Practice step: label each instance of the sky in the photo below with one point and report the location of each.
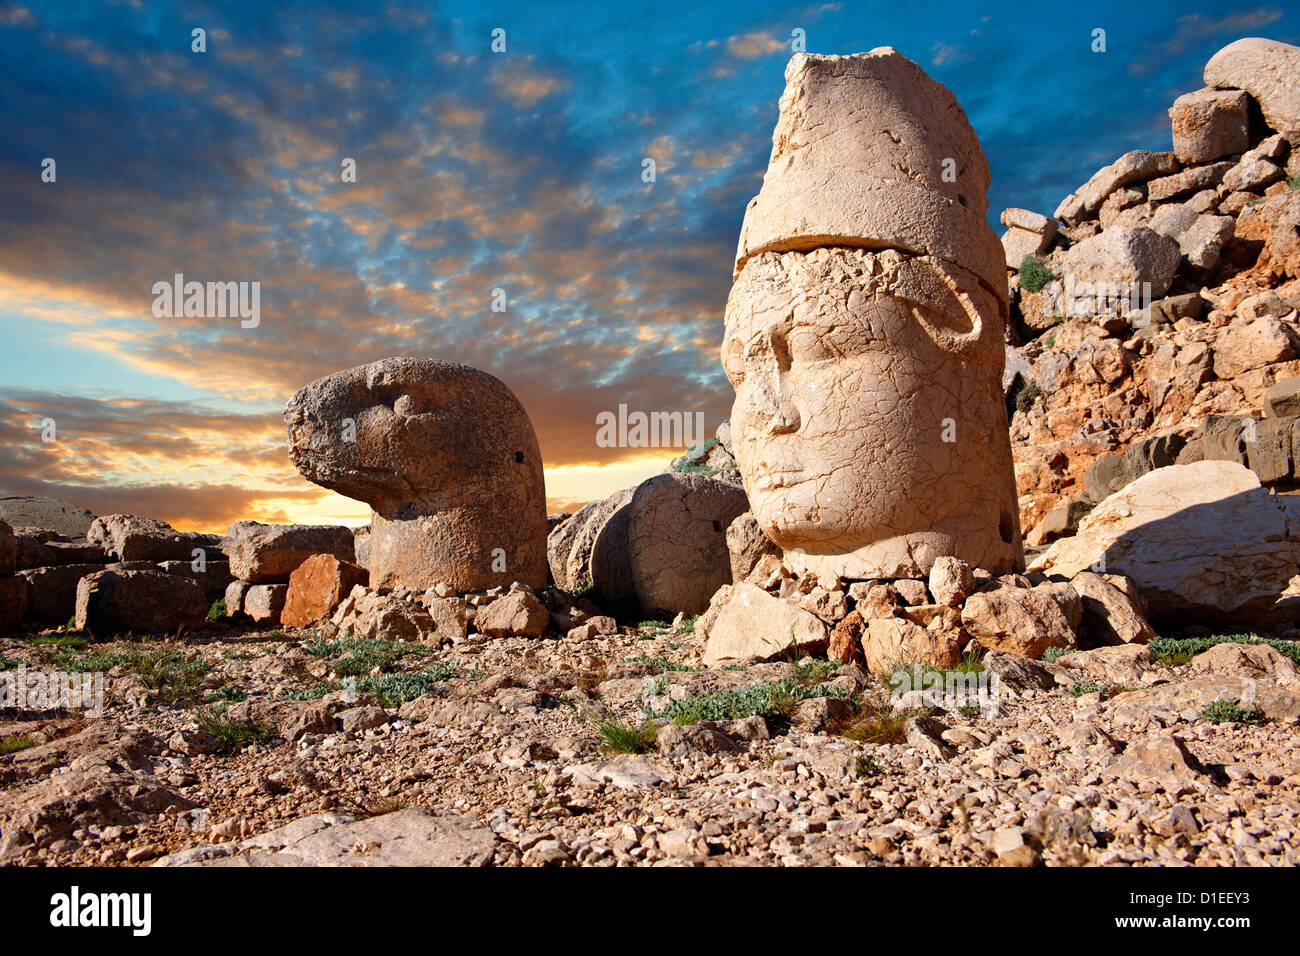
(476, 170)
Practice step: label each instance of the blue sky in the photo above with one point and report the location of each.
(476, 171)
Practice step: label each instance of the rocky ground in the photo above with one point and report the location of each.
(499, 751)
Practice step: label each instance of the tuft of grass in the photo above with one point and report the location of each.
(878, 723)
(688, 624)
(770, 699)
(1081, 687)
(1034, 274)
(76, 641)
(217, 610)
(11, 745)
(7, 664)
(233, 734)
(901, 675)
(622, 738)
(1225, 710)
(1174, 651)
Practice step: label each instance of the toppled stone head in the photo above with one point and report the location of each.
(864, 332)
(447, 459)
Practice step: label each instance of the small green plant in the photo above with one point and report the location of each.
(770, 699)
(1050, 341)
(1055, 652)
(1174, 651)
(217, 610)
(1225, 710)
(866, 768)
(232, 734)
(622, 738)
(7, 664)
(688, 625)
(813, 672)
(969, 711)
(274, 635)
(660, 665)
(1028, 394)
(1293, 183)
(172, 675)
(392, 690)
(11, 745)
(359, 656)
(687, 464)
(1034, 274)
(585, 588)
(1081, 687)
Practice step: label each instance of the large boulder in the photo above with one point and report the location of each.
(13, 602)
(52, 514)
(1204, 543)
(8, 550)
(445, 456)
(1210, 124)
(1119, 262)
(1024, 621)
(52, 592)
(144, 602)
(746, 545)
(1268, 71)
(261, 553)
(137, 538)
(677, 538)
(515, 614)
(569, 546)
(317, 587)
(932, 637)
(754, 625)
(611, 559)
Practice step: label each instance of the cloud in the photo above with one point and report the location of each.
(1192, 30)
(759, 43)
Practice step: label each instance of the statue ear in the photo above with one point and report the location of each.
(951, 304)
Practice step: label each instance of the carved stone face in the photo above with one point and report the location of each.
(868, 423)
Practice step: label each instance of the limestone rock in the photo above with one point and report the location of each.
(1025, 621)
(677, 540)
(1282, 399)
(135, 538)
(261, 553)
(446, 457)
(516, 614)
(1138, 165)
(569, 545)
(8, 550)
(13, 602)
(317, 587)
(611, 558)
(755, 625)
(1121, 259)
(1209, 124)
(146, 602)
(1203, 543)
(1163, 759)
(1109, 615)
(52, 592)
(890, 643)
(858, 159)
(951, 581)
(746, 545)
(264, 603)
(1267, 70)
(386, 617)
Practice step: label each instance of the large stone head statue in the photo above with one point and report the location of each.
(445, 456)
(864, 332)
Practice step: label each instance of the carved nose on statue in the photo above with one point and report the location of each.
(774, 401)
